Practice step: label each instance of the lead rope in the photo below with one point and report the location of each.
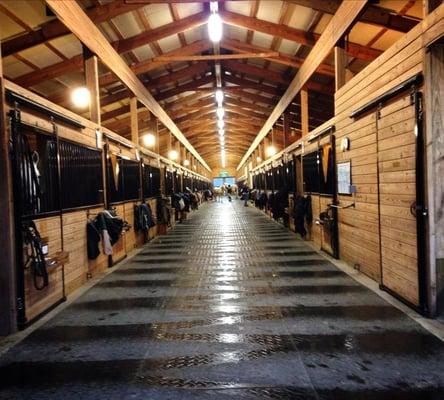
(37, 258)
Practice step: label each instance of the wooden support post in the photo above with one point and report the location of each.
(260, 151)
(304, 112)
(134, 120)
(169, 144)
(430, 5)
(287, 128)
(434, 181)
(266, 146)
(8, 312)
(92, 83)
(179, 155)
(157, 137)
(340, 65)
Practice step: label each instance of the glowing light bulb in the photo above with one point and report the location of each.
(215, 27)
(149, 140)
(80, 97)
(258, 159)
(172, 155)
(219, 97)
(186, 163)
(220, 112)
(271, 151)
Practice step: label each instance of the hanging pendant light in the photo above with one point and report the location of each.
(220, 112)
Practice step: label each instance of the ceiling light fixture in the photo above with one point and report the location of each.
(220, 112)
(219, 97)
(214, 23)
(81, 97)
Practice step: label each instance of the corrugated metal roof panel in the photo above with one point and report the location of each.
(127, 25)
(144, 53)
(40, 56)
(240, 7)
(186, 9)
(158, 15)
(14, 68)
(269, 11)
(68, 45)
(169, 43)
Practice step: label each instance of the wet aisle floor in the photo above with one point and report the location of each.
(227, 306)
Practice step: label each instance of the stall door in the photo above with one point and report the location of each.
(398, 130)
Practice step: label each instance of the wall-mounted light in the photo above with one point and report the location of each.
(271, 151)
(219, 97)
(220, 112)
(172, 155)
(149, 140)
(81, 97)
(186, 163)
(258, 159)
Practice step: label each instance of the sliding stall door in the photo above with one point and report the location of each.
(397, 179)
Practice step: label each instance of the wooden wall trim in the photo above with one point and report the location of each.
(8, 316)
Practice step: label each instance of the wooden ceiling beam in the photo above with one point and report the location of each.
(249, 106)
(295, 35)
(70, 14)
(188, 87)
(216, 57)
(62, 98)
(337, 27)
(272, 76)
(76, 63)
(231, 78)
(281, 58)
(55, 29)
(150, 65)
(373, 15)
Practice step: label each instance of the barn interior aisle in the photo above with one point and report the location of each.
(228, 305)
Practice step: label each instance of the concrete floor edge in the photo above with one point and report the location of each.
(434, 326)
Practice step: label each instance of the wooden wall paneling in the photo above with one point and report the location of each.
(119, 249)
(358, 227)
(37, 301)
(397, 224)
